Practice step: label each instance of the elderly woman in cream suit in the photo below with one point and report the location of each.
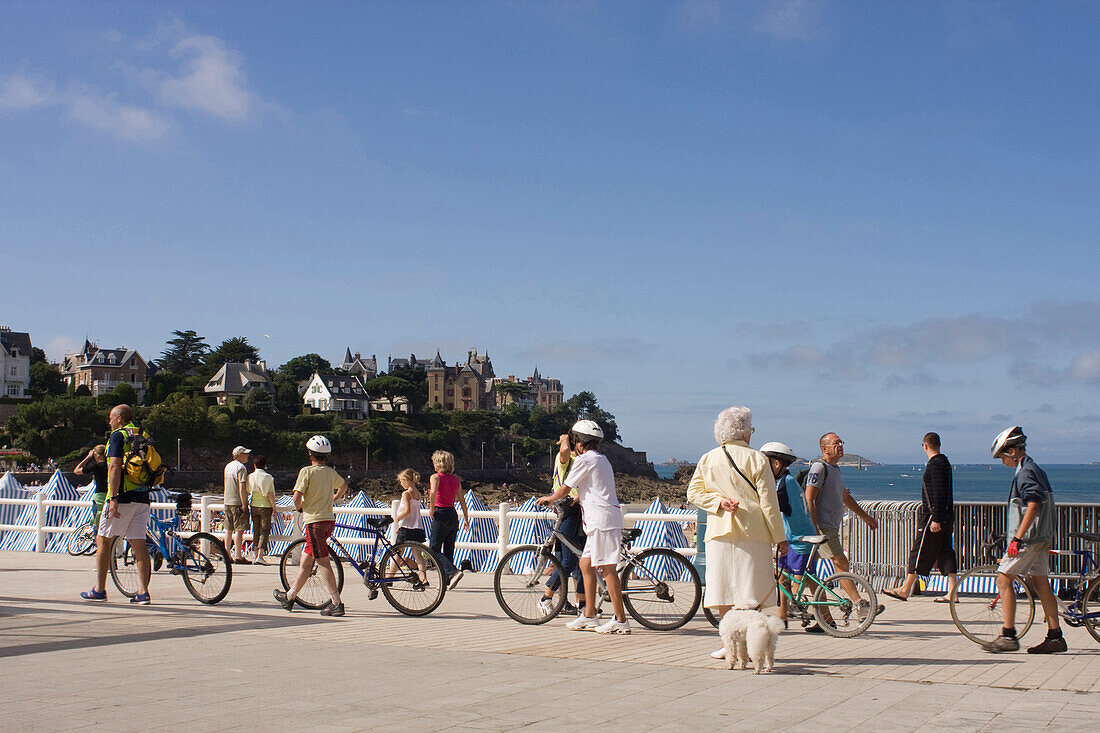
(735, 486)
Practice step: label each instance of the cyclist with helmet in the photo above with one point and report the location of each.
(317, 488)
(594, 481)
(796, 520)
(1030, 533)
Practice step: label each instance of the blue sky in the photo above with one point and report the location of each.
(873, 218)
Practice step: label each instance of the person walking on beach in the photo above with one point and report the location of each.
(95, 465)
(1030, 520)
(571, 527)
(796, 522)
(594, 481)
(235, 502)
(735, 486)
(261, 505)
(932, 547)
(445, 489)
(826, 497)
(317, 488)
(126, 513)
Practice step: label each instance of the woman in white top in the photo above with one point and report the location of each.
(408, 515)
(261, 504)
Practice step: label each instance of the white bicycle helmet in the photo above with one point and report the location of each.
(1009, 438)
(587, 429)
(319, 444)
(779, 450)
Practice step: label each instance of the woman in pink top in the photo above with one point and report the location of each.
(445, 488)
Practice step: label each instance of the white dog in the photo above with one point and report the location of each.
(750, 634)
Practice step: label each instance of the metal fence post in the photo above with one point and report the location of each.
(394, 506)
(504, 531)
(40, 522)
(204, 512)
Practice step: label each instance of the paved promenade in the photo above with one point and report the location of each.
(246, 663)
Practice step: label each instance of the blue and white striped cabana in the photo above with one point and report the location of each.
(528, 531)
(482, 529)
(658, 533)
(77, 516)
(58, 487)
(10, 488)
(279, 525)
(359, 501)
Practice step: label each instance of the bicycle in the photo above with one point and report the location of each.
(834, 610)
(977, 612)
(409, 575)
(82, 539)
(661, 589)
(201, 558)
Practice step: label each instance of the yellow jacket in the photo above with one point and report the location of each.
(757, 516)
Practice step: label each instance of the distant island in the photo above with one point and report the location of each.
(849, 459)
(676, 462)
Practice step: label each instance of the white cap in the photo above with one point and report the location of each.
(239, 450)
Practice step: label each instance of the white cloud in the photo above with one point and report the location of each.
(23, 91)
(1086, 367)
(790, 20)
(125, 121)
(212, 80)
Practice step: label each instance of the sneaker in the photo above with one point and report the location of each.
(582, 623)
(815, 629)
(94, 595)
(242, 561)
(614, 626)
(718, 653)
(455, 579)
(1001, 644)
(1049, 646)
(260, 561)
(141, 599)
(864, 607)
(546, 606)
(332, 609)
(569, 610)
(280, 596)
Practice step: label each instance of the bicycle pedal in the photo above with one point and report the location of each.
(372, 593)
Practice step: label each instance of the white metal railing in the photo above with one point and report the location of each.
(208, 505)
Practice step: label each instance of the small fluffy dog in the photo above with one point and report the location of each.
(750, 634)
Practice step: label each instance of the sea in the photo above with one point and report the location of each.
(1072, 483)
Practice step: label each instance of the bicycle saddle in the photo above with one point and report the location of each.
(1086, 536)
(631, 534)
(379, 522)
(813, 539)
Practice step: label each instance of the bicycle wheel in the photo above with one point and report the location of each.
(714, 620)
(313, 594)
(81, 539)
(414, 579)
(520, 584)
(976, 605)
(123, 567)
(835, 610)
(661, 589)
(1090, 605)
(206, 568)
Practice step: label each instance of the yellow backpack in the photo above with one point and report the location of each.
(142, 464)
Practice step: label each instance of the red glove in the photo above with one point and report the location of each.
(1013, 548)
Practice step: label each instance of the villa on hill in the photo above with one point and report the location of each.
(15, 363)
(345, 395)
(101, 370)
(233, 381)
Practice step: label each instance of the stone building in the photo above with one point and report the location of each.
(542, 391)
(367, 369)
(101, 370)
(15, 363)
(465, 387)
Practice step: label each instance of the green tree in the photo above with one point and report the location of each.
(418, 377)
(257, 401)
(179, 416)
(37, 355)
(123, 394)
(236, 350)
(184, 353)
(45, 379)
(303, 367)
(513, 390)
(585, 406)
(391, 388)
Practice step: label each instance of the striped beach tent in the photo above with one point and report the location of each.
(361, 501)
(659, 533)
(77, 516)
(58, 487)
(528, 531)
(482, 529)
(283, 505)
(10, 488)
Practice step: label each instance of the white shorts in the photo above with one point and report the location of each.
(1033, 559)
(131, 525)
(602, 546)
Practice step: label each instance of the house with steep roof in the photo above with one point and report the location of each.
(343, 394)
(467, 386)
(365, 368)
(233, 381)
(101, 370)
(411, 361)
(543, 391)
(15, 363)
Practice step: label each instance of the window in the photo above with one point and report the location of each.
(13, 389)
(111, 358)
(133, 378)
(466, 392)
(15, 371)
(133, 364)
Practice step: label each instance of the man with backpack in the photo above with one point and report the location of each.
(126, 513)
(826, 497)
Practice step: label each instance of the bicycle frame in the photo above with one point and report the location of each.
(369, 569)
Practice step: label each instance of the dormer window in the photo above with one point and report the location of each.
(111, 358)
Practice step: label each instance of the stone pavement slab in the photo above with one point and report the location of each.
(177, 664)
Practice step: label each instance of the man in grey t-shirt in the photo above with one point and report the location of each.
(235, 501)
(827, 496)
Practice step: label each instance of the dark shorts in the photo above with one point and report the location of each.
(933, 549)
(794, 562)
(410, 534)
(317, 535)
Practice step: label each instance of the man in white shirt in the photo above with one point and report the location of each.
(594, 481)
(235, 501)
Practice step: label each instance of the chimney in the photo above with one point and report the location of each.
(263, 365)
